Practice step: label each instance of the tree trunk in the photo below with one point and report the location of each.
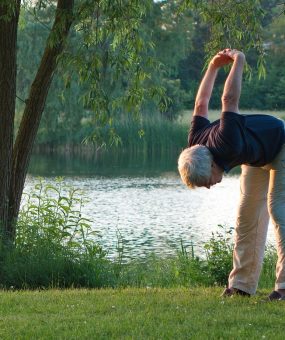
(33, 111)
(9, 16)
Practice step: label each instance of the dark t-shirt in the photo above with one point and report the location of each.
(239, 139)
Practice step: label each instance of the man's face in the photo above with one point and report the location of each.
(216, 176)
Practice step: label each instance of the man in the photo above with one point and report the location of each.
(257, 143)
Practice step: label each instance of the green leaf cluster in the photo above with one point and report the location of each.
(51, 215)
(55, 244)
(135, 58)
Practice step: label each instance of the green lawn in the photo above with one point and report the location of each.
(138, 314)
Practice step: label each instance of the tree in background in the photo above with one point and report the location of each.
(269, 93)
(179, 47)
(111, 61)
(98, 22)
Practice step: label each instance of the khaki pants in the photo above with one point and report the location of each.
(262, 194)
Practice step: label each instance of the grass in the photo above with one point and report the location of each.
(152, 133)
(180, 313)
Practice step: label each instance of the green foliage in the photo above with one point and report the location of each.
(219, 251)
(105, 69)
(183, 269)
(234, 24)
(189, 269)
(55, 245)
(268, 274)
(145, 58)
(51, 215)
(113, 56)
(177, 98)
(154, 133)
(150, 134)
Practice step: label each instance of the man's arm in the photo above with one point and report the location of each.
(205, 92)
(207, 83)
(232, 88)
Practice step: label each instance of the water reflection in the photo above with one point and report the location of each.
(108, 164)
(145, 206)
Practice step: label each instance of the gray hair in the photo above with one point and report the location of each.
(194, 165)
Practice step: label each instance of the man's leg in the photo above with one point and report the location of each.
(276, 207)
(251, 229)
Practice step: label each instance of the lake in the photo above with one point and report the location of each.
(142, 201)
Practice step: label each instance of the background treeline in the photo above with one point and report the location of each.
(178, 46)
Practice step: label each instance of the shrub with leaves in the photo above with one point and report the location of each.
(51, 215)
(219, 250)
(55, 244)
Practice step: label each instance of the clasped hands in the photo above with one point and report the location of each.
(226, 57)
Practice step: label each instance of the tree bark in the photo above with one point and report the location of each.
(34, 107)
(9, 16)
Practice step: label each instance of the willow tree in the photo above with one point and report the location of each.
(236, 24)
(112, 24)
(111, 40)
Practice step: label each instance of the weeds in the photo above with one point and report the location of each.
(219, 251)
(56, 247)
(152, 134)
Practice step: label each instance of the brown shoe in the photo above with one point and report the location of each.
(229, 292)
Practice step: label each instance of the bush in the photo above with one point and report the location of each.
(219, 250)
(55, 246)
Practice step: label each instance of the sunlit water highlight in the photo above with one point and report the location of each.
(153, 214)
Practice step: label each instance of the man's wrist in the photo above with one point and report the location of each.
(213, 67)
(240, 57)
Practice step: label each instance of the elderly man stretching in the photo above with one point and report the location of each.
(257, 143)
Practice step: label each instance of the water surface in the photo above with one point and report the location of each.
(143, 204)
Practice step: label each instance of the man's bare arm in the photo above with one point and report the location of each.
(232, 88)
(205, 92)
(207, 84)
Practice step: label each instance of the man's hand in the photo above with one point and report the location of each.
(221, 58)
(232, 54)
(226, 57)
